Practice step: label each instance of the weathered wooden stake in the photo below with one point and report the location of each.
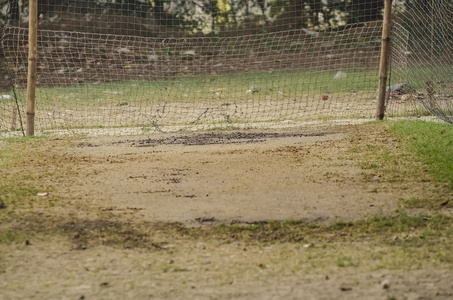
(383, 66)
(32, 60)
(14, 118)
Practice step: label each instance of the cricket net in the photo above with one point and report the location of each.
(422, 61)
(125, 67)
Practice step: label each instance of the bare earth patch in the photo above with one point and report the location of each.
(138, 218)
(229, 178)
(236, 177)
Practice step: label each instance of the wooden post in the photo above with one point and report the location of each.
(14, 118)
(32, 60)
(383, 66)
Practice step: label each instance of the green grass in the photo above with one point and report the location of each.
(18, 186)
(208, 100)
(219, 88)
(432, 143)
(415, 202)
(392, 161)
(382, 242)
(401, 242)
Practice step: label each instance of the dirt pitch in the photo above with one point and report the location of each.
(131, 218)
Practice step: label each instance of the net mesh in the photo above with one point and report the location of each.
(130, 66)
(422, 60)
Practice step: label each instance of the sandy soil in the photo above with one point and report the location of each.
(106, 273)
(229, 177)
(203, 179)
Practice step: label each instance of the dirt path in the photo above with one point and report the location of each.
(237, 177)
(229, 177)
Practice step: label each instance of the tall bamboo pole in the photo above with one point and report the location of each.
(431, 10)
(32, 60)
(383, 66)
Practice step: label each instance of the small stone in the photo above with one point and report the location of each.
(385, 284)
(152, 57)
(123, 50)
(189, 53)
(407, 97)
(2, 204)
(340, 75)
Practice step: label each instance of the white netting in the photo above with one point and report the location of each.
(128, 66)
(422, 59)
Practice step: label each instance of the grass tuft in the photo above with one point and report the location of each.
(432, 143)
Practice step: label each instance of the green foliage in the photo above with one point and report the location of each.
(212, 16)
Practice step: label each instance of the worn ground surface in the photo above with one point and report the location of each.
(140, 218)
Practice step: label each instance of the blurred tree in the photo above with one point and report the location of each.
(198, 15)
(132, 7)
(162, 12)
(13, 9)
(366, 10)
(296, 12)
